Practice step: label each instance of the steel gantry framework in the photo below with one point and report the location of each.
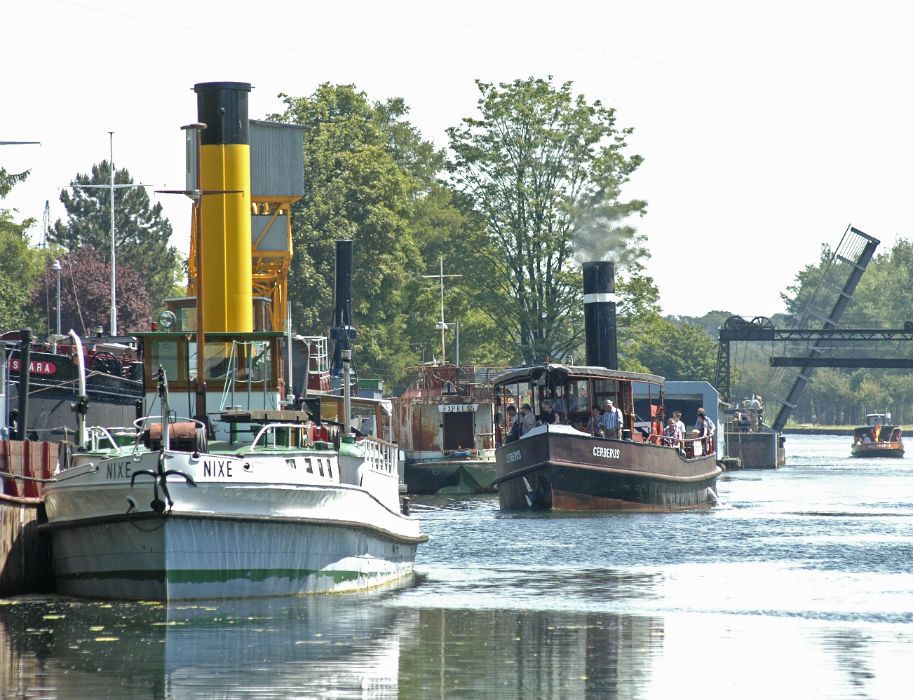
(828, 301)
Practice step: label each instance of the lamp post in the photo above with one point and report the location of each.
(56, 268)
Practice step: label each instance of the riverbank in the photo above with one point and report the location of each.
(827, 429)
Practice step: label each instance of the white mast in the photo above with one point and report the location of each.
(442, 325)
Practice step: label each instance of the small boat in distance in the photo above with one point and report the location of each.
(445, 423)
(564, 464)
(878, 438)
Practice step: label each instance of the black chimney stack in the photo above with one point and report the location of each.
(599, 314)
(342, 331)
(25, 350)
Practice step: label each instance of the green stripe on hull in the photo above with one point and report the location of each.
(211, 575)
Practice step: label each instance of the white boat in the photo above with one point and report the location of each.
(259, 494)
(283, 513)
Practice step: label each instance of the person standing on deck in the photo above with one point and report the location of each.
(593, 427)
(705, 429)
(669, 433)
(679, 429)
(548, 415)
(513, 421)
(611, 421)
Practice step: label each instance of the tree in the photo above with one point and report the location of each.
(543, 170)
(9, 180)
(679, 351)
(85, 293)
(362, 180)
(142, 233)
(20, 265)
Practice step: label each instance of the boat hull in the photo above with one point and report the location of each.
(466, 476)
(878, 449)
(249, 526)
(562, 471)
(179, 557)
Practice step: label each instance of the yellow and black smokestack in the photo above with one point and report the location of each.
(225, 218)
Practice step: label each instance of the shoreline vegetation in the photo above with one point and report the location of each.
(808, 429)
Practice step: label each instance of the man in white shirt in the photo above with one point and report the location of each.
(611, 421)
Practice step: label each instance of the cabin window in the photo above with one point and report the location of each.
(363, 420)
(572, 402)
(166, 353)
(606, 389)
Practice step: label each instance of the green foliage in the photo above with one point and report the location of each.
(142, 233)
(20, 268)
(369, 176)
(679, 351)
(9, 180)
(542, 170)
(638, 317)
(20, 265)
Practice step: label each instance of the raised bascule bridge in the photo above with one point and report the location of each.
(817, 340)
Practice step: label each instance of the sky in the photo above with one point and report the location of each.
(766, 128)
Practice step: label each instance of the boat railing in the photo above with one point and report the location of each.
(96, 435)
(381, 456)
(270, 428)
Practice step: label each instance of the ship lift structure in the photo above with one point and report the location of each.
(832, 295)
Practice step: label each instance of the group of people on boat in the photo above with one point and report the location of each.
(608, 422)
(673, 433)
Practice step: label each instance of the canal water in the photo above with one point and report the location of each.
(798, 585)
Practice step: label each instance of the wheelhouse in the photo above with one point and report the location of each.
(575, 391)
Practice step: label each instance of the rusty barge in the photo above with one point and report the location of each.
(445, 423)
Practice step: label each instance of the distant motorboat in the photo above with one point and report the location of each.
(878, 437)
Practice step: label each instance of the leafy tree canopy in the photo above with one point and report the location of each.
(368, 175)
(142, 232)
(542, 170)
(85, 294)
(20, 265)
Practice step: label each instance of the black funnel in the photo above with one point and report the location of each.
(222, 107)
(342, 331)
(599, 314)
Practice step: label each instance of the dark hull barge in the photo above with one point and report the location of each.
(589, 449)
(553, 468)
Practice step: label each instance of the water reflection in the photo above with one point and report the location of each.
(798, 585)
(530, 654)
(318, 647)
(346, 647)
